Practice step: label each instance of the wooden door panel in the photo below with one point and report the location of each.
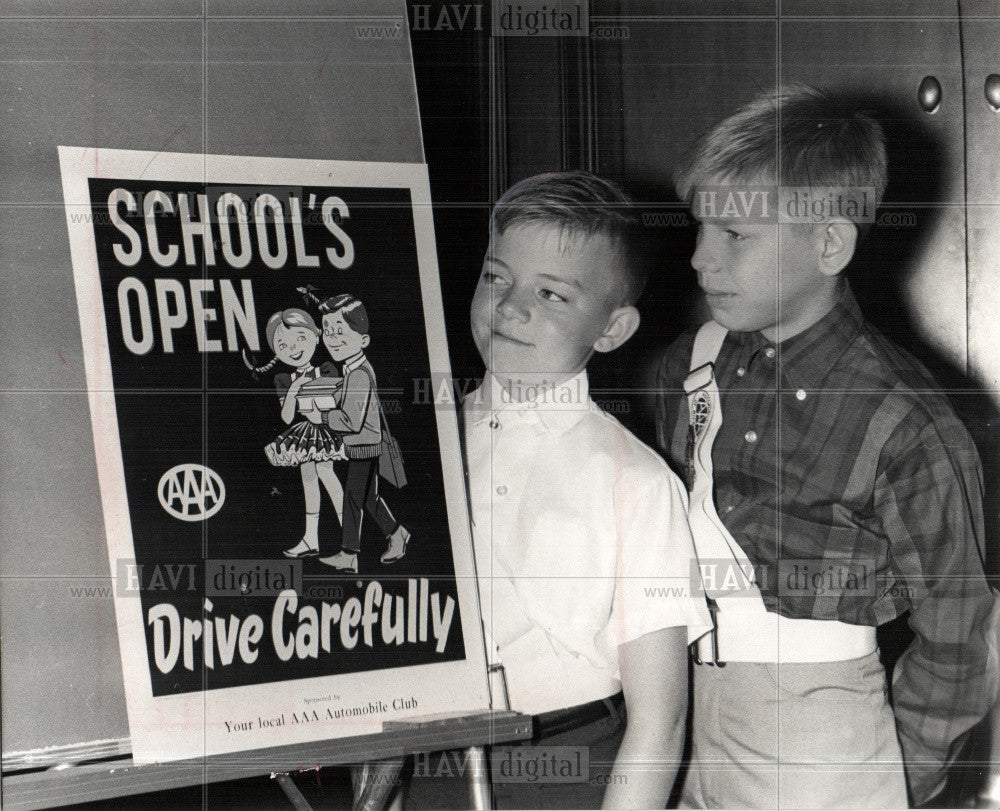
(680, 76)
(981, 41)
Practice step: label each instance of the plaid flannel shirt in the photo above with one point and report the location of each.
(839, 457)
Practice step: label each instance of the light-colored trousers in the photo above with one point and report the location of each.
(794, 736)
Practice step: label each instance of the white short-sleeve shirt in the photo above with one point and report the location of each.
(581, 542)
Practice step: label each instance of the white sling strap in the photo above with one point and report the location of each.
(745, 630)
(707, 344)
(725, 566)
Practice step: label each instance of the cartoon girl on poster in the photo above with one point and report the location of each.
(293, 336)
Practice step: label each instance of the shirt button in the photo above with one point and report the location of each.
(494, 424)
(750, 436)
(502, 490)
(769, 351)
(741, 371)
(800, 394)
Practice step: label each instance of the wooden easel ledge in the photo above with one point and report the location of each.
(122, 777)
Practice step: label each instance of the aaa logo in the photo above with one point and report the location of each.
(191, 492)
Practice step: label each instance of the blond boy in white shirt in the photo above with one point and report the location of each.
(583, 552)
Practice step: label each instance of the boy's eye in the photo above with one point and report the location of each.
(550, 295)
(735, 236)
(491, 278)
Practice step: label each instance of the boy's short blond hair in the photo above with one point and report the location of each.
(798, 136)
(580, 204)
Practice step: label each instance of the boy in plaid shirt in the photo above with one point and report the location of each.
(835, 479)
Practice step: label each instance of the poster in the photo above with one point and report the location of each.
(261, 339)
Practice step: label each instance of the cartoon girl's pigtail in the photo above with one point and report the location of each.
(309, 296)
(256, 371)
(325, 305)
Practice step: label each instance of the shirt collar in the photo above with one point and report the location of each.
(354, 362)
(555, 408)
(807, 358)
(749, 343)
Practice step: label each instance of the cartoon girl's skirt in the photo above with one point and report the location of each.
(304, 442)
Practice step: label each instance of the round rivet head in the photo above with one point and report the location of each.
(929, 94)
(741, 371)
(800, 394)
(750, 436)
(769, 351)
(502, 490)
(992, 91)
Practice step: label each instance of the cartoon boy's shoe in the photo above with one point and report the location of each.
(342, 561)
(397, 545)
(301, 550)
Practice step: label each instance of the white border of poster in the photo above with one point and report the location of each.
(195, 724)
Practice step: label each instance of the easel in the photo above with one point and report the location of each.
(384, 752)
(373, 782)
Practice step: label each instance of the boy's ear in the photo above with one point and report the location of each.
(622, 324)
(365, 340)
(839, 239)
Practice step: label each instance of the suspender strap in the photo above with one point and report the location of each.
(745, 631)
(707, 344)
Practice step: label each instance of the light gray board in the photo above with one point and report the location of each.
(152, 78)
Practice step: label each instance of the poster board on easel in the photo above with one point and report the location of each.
(189, 270)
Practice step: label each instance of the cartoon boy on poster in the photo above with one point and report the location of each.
(360, 422)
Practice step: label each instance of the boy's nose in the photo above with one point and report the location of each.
(512, 305)
(703, 259)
